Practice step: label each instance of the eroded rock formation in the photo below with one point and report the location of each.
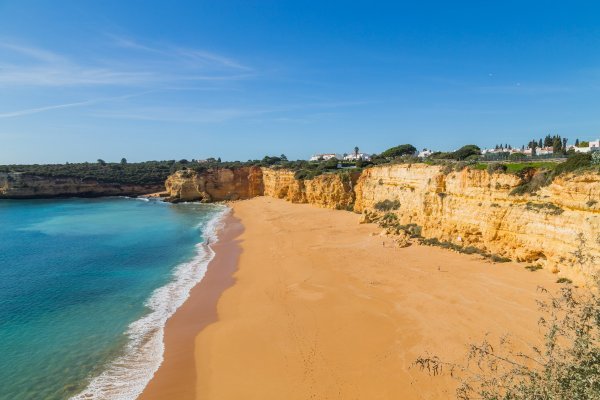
(558, 227)
(215, 184)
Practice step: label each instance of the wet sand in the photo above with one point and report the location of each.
(176, 377)
(325, 308)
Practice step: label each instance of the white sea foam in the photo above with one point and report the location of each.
(127, 376)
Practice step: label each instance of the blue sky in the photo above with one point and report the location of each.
(81, 80)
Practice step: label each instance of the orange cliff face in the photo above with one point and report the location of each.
(217, 184)
(330, 191)
(558, 227)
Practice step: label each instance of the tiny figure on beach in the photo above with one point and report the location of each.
(207, 241)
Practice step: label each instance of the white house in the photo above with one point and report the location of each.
(425, 153)
(325, 156)
(359, 156)
(594, 145)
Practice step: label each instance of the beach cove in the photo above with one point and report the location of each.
(321, 306)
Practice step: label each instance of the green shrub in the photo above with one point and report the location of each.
(466, 152)
(531, 183)
(496, 168)
(549, 208)
(499, 259)
(564, 366)
(574, 162)
(387, 205)
(564, 280)
(517, 157)
(533, 268)
(398, 151)
(471, 250)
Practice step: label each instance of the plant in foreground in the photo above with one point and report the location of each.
(565, 367)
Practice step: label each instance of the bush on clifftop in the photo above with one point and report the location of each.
(398, 151)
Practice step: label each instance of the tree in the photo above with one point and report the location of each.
(466, 151)
(564, 144)
(577, 142)
(283, 157)
(556, 144)
(540, 144)
(219, 160)
(517, 157)
(101, 161)
(533, 145)
(332, 163)
(123, 160)
(356, 152)
(403, 149)
(270, 160)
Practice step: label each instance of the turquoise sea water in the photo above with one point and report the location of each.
(85, 289)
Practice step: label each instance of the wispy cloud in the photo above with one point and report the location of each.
(29, 111)
(201, 58)
(25, 65)
(203, 114)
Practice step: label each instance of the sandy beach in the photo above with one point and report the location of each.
(176, 378)
(319, 306)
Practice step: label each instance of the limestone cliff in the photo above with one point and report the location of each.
(559, 227)
(329, 190)
(215, 184)
(16, 185)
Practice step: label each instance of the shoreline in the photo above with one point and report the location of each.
(176, 376)
(304, 302)
(325, 307)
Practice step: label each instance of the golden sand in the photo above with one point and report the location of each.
(324, 308)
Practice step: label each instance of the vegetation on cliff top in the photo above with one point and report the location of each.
(144, 173)
(156, 172)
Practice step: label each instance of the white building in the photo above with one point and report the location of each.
(542, 151)
(325, 157)
(594, 145)
(359, 156)
(425, 153)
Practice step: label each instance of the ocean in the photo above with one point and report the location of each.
(86, 286)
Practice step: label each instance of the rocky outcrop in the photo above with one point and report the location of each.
(329, 190)
(558, 227)
(16, 185)
(216, 184)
